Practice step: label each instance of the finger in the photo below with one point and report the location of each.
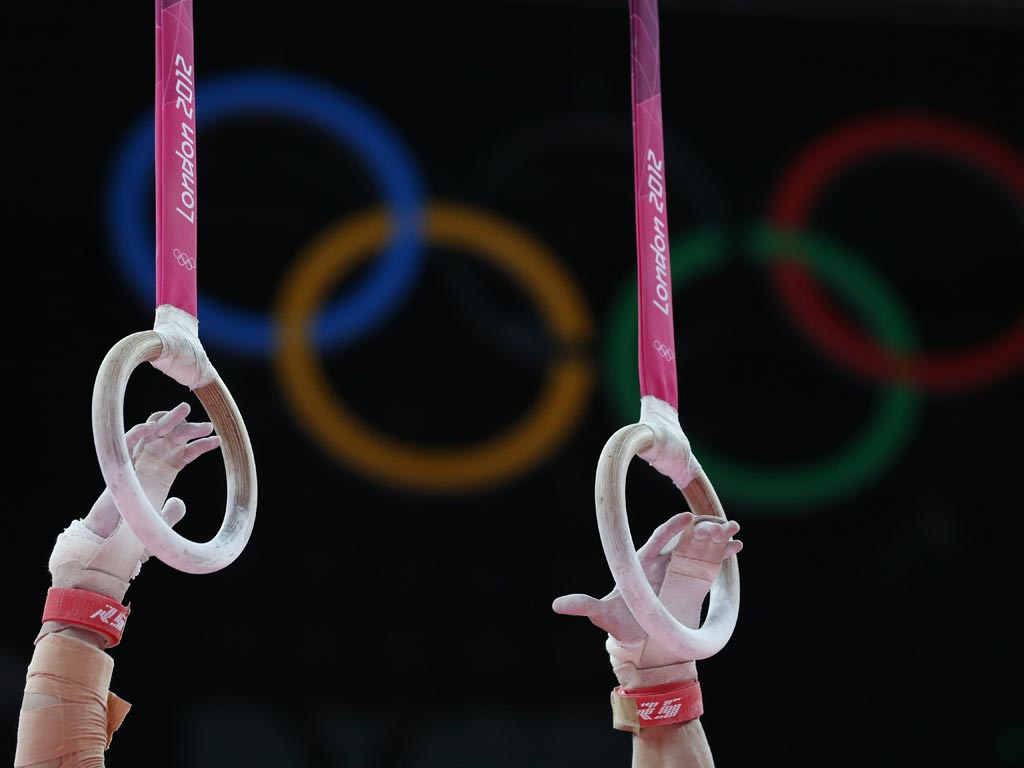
(190, 430)
(664, 534)
(103, 517)
(146, 429)
(173, 511)
(137, 433)
(576, 605)
(733, 547)
(726, 532)
(197, 448)
(172, 418)
(716, 531)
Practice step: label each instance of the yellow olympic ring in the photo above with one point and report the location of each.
(567, 386)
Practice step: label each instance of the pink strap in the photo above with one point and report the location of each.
(656, 345)
(175, 150)
(90, 610)
(665, 704)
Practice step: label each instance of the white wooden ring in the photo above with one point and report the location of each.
(610, 498)
(159, 539)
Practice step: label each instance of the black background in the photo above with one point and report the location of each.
(368, 625)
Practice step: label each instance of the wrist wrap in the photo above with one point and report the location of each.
(90, 610)
(658, 705)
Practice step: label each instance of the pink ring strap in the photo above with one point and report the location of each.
(175, 134)
(657, 358)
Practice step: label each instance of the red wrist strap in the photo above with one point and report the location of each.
(657, 705)
(91, 610)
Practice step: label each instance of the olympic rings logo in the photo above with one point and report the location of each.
(792, 206)
(664, 350)
(184, 259)
(304, 323)
(567, 383)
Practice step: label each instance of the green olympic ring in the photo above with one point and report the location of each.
(810, 482)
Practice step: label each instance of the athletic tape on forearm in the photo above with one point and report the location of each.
(78, 714)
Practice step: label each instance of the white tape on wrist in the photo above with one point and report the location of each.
(84, 560)
(632, 670)
(671, 454)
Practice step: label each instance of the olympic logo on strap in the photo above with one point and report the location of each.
(304, 323)
(664, 350)
(184, 259)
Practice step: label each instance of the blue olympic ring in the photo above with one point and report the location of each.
(322, 106)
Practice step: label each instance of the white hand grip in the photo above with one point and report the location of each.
(115, 462)
(650, 613)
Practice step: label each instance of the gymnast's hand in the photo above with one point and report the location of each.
(690, 551)
(100, 553)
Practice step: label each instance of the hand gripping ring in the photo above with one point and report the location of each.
(163, 347)
(617, 541)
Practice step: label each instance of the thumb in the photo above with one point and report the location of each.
(610, 614)
(173, 511)
(576, 605)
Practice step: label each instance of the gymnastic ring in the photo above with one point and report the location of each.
(791, 208)
(613, 524)
(797, 487)
(159, 539)
(308, 102)
(568, 382)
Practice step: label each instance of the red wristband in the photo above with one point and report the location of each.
(657, 705)
(91, 610)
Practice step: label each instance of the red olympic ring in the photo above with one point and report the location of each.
(791, 209)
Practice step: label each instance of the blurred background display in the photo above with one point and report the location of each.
(862, 422)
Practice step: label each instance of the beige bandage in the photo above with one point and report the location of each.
(69, 712)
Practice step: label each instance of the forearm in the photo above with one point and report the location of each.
(682, 745)
(662, 708)
(68, 713)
